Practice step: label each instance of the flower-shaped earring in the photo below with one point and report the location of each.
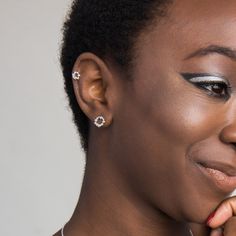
(99, 121)
(76, 75)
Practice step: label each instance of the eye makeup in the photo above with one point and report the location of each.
(204, 77)
(216, 86)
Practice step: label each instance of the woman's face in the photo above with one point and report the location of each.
(178, 111)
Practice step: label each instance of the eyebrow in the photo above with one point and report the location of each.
(225, 51)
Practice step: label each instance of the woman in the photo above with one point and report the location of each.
(152, 88)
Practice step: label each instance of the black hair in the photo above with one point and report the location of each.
(107, 28)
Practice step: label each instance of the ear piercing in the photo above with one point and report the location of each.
(99, 121)
(76, 75)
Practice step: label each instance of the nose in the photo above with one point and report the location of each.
(228, 134)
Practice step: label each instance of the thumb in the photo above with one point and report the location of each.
(216, 232)
(226, 210)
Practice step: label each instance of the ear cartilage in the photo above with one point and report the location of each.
(76, 75)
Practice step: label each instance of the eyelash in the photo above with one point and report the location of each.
(206, 84)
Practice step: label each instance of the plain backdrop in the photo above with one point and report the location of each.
(41, 163)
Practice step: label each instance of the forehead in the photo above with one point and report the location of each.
(203, 15)
(189, 25)
(196, 7)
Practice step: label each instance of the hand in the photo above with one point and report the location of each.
(199, 229)
(223, 220)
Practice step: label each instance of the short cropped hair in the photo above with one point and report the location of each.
(109, 29)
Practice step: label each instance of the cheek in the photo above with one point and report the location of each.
(183, 121)
(173, 118)
(181, 115)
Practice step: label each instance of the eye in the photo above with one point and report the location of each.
(215, 89)
(215, 86)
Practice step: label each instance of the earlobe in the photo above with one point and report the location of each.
(99, 121)
(90, 81)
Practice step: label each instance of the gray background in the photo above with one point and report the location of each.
(41, 163)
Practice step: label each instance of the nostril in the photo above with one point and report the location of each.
(233, 145)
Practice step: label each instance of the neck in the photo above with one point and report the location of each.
(109, 206)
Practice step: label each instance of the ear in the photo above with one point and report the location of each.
(91, 89)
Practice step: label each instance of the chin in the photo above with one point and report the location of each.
(201, 191)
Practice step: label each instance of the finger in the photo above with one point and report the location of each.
(230, 227)
(199, 229)
(216, 232)
(226, 210)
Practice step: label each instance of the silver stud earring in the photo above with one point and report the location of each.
(76, 75)
(99, 121)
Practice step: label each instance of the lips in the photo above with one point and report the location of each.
(221, 175)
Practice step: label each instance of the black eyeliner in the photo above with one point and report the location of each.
(188, 76)
(201, 84)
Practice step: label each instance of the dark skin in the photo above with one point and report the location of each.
(141, 176)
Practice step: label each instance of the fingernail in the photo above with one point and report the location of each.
(210, 217)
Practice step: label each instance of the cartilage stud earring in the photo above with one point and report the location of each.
(76, 75)
(99, 121)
